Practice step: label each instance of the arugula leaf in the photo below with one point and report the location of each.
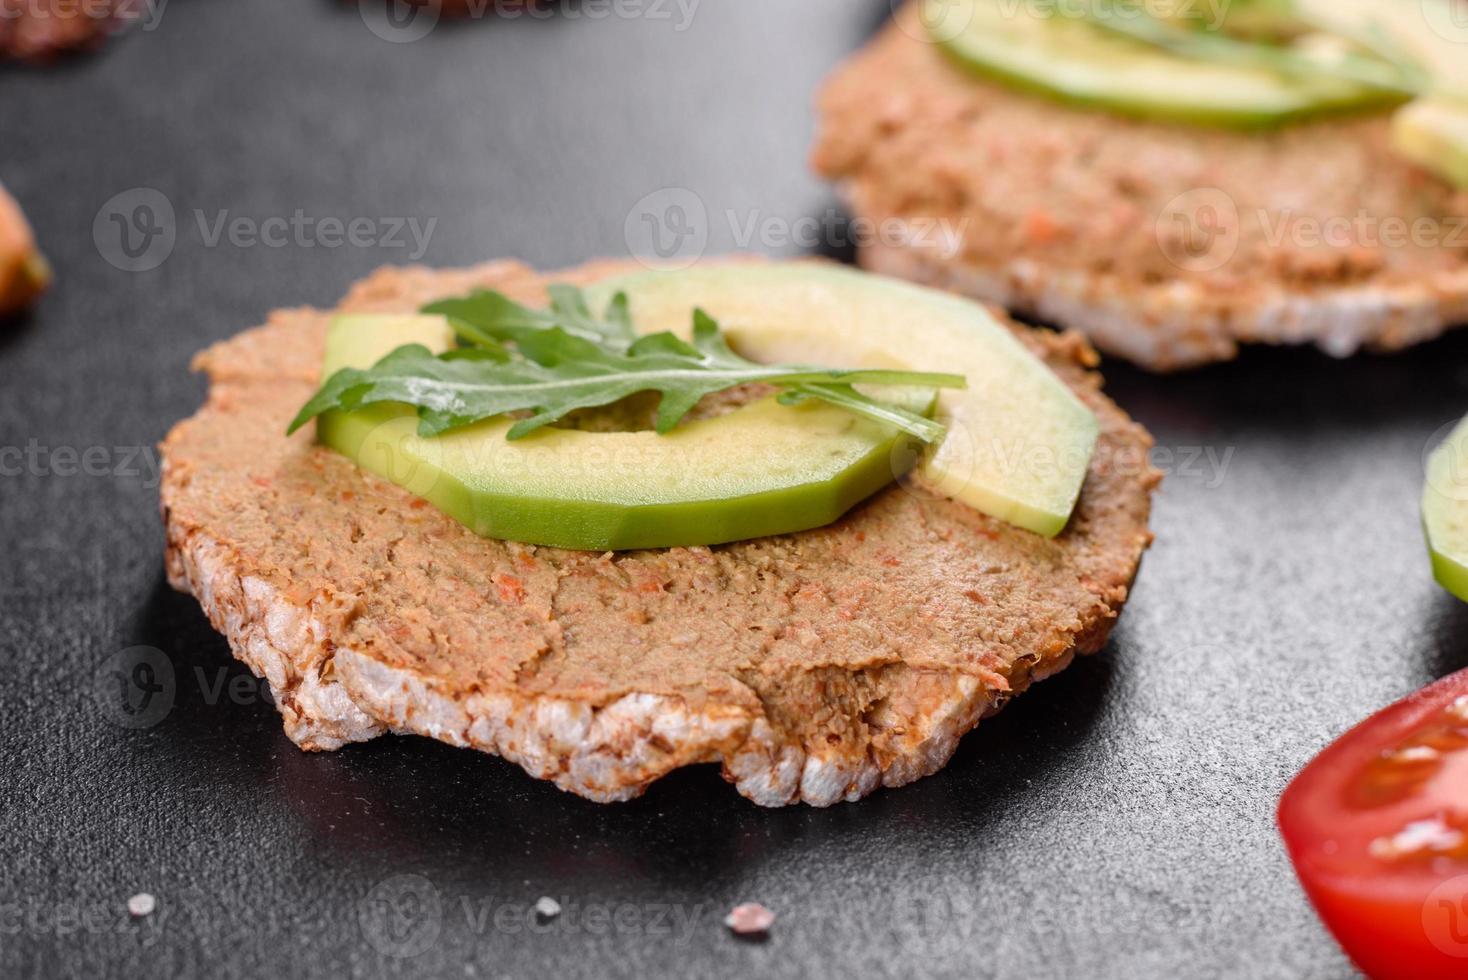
(847, 397)
(564, 359)
(1365, 68)
(488, 317)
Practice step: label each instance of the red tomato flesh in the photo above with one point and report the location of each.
(1377, 828)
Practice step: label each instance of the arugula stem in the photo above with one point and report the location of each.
(550, 363)
(843, 397)
(1387, 75)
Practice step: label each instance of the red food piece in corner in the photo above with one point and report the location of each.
(24, 274)
(1377, 828)
(43, 30)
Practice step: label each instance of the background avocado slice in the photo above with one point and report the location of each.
(1019, 441)
(1067, 58)
(760, 470)
(1430, 34)
(1445, 511)
(1433, 133)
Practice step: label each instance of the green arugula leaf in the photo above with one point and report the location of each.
(1367, 68)
(564, 359)
(847, 397)
(486, 317)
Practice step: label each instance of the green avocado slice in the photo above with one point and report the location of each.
(1019, 442)
(1071, 60)
(1018, 445)
(1428, 34)
(1445, 511)
(1433, 133)
(762, 469)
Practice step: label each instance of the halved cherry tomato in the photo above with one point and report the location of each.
(1377, 827)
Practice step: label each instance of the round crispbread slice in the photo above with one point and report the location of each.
(815, 666)
(1168, 245)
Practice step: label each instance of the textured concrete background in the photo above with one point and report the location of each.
(1115, 822)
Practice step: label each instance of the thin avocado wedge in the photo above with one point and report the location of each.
(1427, 33)
(1445, 511)
(1071, 60)
(1019, 442)
(760, 470)
(1433, 133)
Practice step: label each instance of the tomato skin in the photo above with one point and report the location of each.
(1398, 906)
(1386, 938)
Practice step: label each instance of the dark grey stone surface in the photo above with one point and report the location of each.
(1115, 822)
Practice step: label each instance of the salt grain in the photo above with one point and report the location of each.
(749, 919)
(141, 904)
(547, 907)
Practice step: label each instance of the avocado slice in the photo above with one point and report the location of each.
(1019, 441)
(1429, 34)
(1433, 133)
(762, 469)
(1070, 59)
(1445, 511)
